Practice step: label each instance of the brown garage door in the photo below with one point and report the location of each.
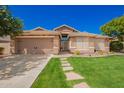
(33, 46)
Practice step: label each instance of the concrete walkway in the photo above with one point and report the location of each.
(20, 71)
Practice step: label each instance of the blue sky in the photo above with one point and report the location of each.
(83, 18)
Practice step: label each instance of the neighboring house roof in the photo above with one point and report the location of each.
(39, 28)
(5, 38)
(64, 25)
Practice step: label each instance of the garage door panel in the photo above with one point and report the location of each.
(34, 45)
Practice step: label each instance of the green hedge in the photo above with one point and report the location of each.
(116, 46)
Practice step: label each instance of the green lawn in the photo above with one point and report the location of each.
(104, 72)
(52, 76)
(98, 72)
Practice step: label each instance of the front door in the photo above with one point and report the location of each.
(64, 43)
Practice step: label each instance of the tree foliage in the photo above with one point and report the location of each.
(9, 25)
(116, 46)
(114, 28)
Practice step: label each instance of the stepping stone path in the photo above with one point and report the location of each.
(66, 64)
(73, 76)
(70, 74)
(81, 85)
(67, 68)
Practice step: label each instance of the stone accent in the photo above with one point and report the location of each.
(67, 68)
(66, 64)
(73, 76)
(63, 59)
(81, 85)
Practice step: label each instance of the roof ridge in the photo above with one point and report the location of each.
(66, 26)
(40, 28)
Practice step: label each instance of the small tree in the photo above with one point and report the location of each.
(9, 25)
(114, 28)
(116, 46)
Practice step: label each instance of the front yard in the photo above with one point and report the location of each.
(102, 72)
(52, 76)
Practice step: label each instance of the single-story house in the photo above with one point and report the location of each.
(5, 44)
(62, 38)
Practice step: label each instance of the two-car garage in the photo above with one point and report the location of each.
(33, 45)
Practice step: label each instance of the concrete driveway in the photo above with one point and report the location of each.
(19, 71)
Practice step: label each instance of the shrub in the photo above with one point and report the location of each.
(1, 50)
(100, 52)
(116, 46)
(77, 52)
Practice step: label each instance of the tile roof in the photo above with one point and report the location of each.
(39, 28)
(86, 34)
(38, 33)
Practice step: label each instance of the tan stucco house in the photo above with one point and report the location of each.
(62, 38)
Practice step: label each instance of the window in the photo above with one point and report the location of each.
(82, 43)
(79, 43)
(64, 38)
(100, 44)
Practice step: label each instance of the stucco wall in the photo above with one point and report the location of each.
(72, 44)
(91, 45)
(102, 44)
(107, 45)
(6, 46)
(56, 45)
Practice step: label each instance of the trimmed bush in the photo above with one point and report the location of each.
(77, 52)
(116, 46)
(100, 52)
